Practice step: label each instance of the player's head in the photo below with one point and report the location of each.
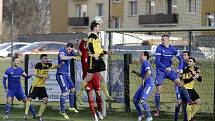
(95, 27)
(16, 61)
(44, 58)
(186, 55)
(69, 47)
(165, 40)
(144, 55)
(191, 61)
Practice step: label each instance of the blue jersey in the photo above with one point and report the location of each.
(164, 57)
(65, 67)
(144, 67)
(14, 76)
(184, 64)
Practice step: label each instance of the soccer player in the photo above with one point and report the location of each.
(146, 87)
(64, 80)
(38, 86)
(190, 74)
(182, 97)
(14, 88)
(163, 61)
(93, 84)
(95, 61)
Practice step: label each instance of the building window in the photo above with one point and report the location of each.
(192, 6)
(151, 7)
(81, 10)
(133, 8)
(174, 6)
(116, 1)
(100, 9)
(116, 22)
(211, 20)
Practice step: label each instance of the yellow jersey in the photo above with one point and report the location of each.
(94, 44)
(41, 69)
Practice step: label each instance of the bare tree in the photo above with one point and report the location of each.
(30, 16)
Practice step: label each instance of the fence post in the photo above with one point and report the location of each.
(72, 76)
(26, 71)
(127, 61)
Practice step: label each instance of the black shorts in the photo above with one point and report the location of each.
(193, 94)
(96, 65)
(39, 92)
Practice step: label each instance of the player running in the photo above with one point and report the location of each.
(13, 87)
(38, 86)
(146, 88)
(163, 60)
(64, 80)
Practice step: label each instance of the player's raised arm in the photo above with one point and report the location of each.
(137, 73)
(63, 57)
(178, 56)
(55, 66)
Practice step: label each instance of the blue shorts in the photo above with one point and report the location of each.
(65, 82)
(161, 75)
(144, 92)
(19, 94)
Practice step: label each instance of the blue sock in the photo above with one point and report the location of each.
(62, 103)
(136, 104)
(157, 101)
(71, 99)
(184, 108)
(7, 109)
(31, 108)
(177, 109)
(146, 108)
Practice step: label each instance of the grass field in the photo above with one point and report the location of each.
(84, 115)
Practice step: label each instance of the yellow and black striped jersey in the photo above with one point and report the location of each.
(94, 44)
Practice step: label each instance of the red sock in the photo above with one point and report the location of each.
(99, 101)
(91, 102)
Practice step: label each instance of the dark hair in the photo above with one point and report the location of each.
(146, 53)
(93, 24)
(14, 58)
(188, 53)
(165, 35)
(43, 55)
(194, 60)
(69, 45)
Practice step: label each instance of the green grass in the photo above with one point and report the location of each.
(84, 115)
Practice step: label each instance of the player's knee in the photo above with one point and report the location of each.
(158, 88)
(198, 101)
(98, 93)
(179, 102)
(64, 94)
(45, 100)
(72, 90)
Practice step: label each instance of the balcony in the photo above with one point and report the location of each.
(78, 21)
(159, 19)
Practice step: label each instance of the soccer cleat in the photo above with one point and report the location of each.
(157, 113)
(64, 115)
(25, 117)
(100, 115)
(140, 118)
(95, 117)
(149, 119)
(5, 116)
(73, 110)
(40, 118)
(110, 99)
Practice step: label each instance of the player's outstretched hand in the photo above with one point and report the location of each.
(179, 71)
(109, 52)
(168, 69)
(73, 57)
